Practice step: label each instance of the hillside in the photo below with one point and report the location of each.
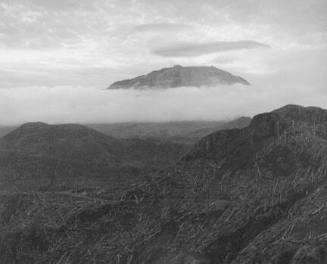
(252, 195)
(51, 155)
(244, 195)
(180, 76)
(4, 130)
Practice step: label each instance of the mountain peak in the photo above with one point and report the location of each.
(181, 76)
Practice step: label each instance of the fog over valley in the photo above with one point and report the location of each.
(70, 104)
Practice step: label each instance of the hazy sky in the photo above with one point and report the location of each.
(57, 56)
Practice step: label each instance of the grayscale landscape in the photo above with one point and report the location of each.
(163, 132)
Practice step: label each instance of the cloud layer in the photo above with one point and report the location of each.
(192, 50)
(57, 56)
(126, 36)
(161, 27)
(62, 104)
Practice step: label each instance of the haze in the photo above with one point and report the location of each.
(57, 57)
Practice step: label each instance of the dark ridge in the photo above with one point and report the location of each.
(306, 114)
(34, 125)
(262, 126)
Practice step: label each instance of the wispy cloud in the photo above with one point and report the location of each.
(191, 50)
(162, 27)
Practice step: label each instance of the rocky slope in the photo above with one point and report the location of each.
(179, 76)
(253, 195)
(250, 195)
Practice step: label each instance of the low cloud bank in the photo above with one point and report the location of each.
(62, 104)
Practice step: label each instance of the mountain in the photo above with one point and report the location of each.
(64, 154)
(184, 132)
(240, 196)
(250, 195)
(38, 155)
(180, 76)
(68, 140)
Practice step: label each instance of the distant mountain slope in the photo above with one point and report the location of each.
(179, 76)
(179, 131)
(188, 132)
